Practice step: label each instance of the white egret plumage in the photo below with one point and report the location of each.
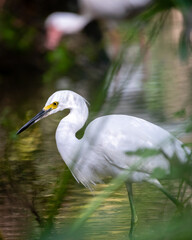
(103, 150)
(66, 23)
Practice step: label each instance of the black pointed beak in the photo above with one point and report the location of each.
(35, 119)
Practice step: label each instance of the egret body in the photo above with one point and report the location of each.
(103, 150)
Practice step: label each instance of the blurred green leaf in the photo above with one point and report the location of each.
(158, 173)
(180, 114)
(189, 125)
(184, 47)
(144, 152)
(60, 62)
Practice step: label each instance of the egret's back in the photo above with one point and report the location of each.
(110, 146)
(127, 133)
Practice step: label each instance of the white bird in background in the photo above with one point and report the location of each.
(103, 150)
(65, 23)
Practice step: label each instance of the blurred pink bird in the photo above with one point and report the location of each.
(65, 23)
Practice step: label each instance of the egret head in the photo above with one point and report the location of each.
(59, 101)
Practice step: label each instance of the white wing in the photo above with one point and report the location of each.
(116, 135)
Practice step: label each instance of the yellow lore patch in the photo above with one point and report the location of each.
(53, 105)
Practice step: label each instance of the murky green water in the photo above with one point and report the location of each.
(31, 166)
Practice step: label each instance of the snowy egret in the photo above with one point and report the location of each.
(103, 150)
(65, 23)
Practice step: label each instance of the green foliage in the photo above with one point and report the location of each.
(15, 34)
(55, 203)
(180, 114)
(144, 153)
(175, 228)
(59, 61)
(155, 93)
(184, 47)
(189, 125)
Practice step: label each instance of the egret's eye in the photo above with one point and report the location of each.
(55, 104)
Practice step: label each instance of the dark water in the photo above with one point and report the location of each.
(154, 89)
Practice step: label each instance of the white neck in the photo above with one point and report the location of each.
(81, 22)
(67, 143)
